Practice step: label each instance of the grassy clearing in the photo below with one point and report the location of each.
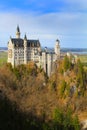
(83, 58)
(3, 58)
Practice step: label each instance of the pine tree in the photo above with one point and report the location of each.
(67, 63)
(63, 87)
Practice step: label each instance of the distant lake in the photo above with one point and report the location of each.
(3, 48)
(75, 50)
(64, 50)
(72, 50)
(82, 53)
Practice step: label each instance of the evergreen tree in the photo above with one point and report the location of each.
(76, 123)
(67, 63)
(63, 87)
(63, 120)
(81, 77)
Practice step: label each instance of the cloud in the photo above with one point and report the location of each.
(79, 2)
(58, 5)
(44, 6)
(76, 5)
(70, 28)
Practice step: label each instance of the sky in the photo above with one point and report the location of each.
(46, 20)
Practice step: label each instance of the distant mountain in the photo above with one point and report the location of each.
(3, 48)
(75, 50)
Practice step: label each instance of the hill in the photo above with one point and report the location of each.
(39, 102)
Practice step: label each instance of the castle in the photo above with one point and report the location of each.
(21, 51)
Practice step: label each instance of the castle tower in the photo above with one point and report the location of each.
(11, 58)
(44, 61)
(18, 32)
(25, 49)
(57, 48)
(49, 63)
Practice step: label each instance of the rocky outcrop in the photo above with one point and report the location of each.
(84, 125)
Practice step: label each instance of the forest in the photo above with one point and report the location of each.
(30, 100)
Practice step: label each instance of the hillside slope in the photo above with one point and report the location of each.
(32, 93)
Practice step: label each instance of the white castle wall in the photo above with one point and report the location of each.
(24, 54)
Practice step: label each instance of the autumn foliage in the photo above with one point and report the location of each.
(39, 102)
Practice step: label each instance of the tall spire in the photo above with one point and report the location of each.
(57, 48)
(18, 32)
(25, 37)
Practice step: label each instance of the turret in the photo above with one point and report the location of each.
(57, 48)
(25, 49)
(18, 32)
(25, 40)
(39, 47)
(25, 37)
